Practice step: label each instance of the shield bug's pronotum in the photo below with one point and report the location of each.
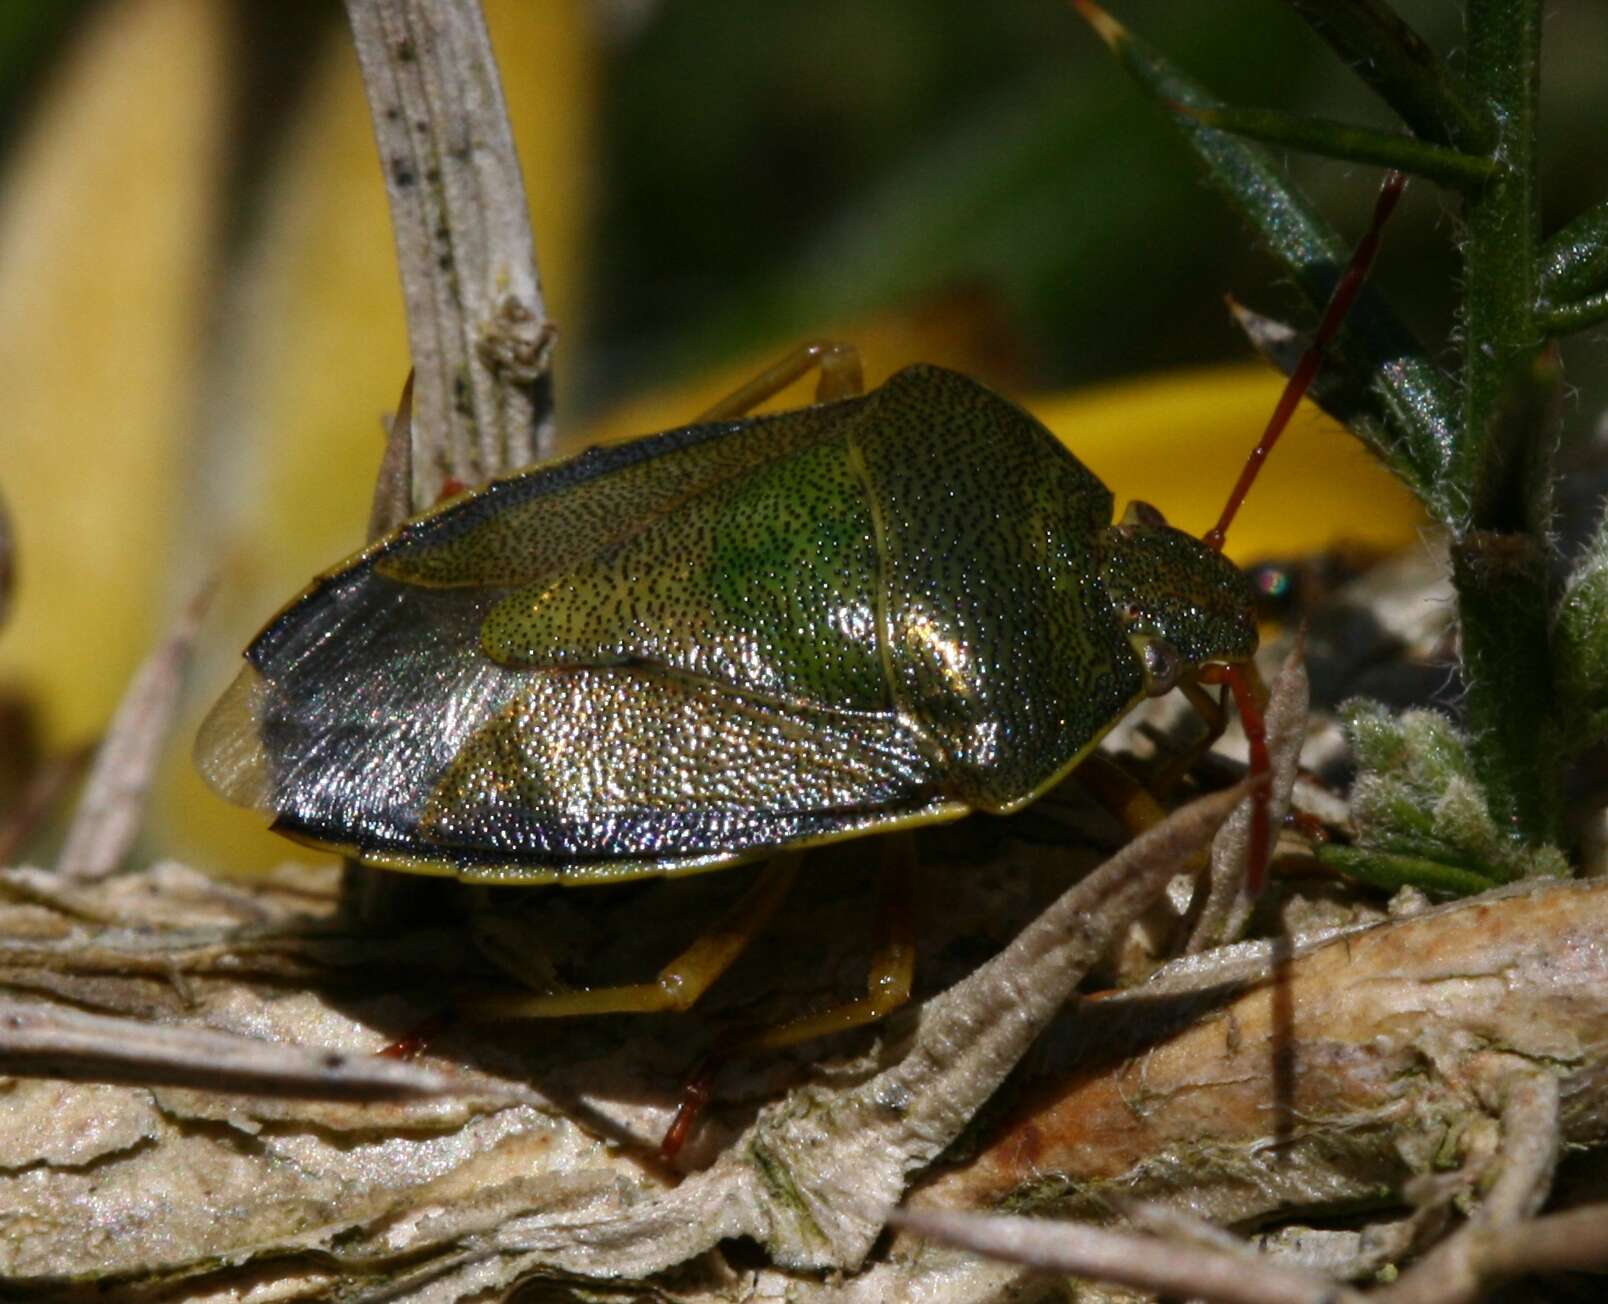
(734, 641)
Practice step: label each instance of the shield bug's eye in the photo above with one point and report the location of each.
(1163, 663)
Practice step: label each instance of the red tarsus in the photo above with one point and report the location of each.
(695, 1094)
(416, 1042)
(1255, 726)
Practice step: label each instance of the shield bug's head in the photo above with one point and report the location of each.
(1181, 604)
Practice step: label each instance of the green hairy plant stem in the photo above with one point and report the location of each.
(1477, 446)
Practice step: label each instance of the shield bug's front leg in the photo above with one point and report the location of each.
(1213, 712)
(841, 377)
(680, 983)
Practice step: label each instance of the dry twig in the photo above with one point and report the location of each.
(477, 326)
(1503, 1239)
(55, 1042)
(1127, 1259)
(112, 807)
(1458, 1269)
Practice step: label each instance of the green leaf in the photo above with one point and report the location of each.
(1390, 871)
(1569, 318)
(1421, 814)
(1338, 391)
(1574, 262)
(1389, 56)
(1342, 140)
(1414, 400)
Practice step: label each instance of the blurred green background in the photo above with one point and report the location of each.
(760, 169)
(838, 155)
(200, 328)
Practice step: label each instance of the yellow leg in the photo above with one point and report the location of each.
(1120, 793)
(893, 966)
(841, 377)
(1132, 803)
(893, 960)
(1215, 714)
(680, 983)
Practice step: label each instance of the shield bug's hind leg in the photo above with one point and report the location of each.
(681, 982)
(841, 377)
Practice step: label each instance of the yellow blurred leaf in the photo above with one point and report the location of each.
(106, 226)
(1178, 441)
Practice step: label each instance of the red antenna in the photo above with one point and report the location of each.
(1345, 294)
(1295, 388)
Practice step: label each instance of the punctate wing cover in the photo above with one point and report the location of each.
(646, 658)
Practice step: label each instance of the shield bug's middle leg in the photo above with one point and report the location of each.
(893, 960)
(681, 982)
(841, 377)
(889, 980)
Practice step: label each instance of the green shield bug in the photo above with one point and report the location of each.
(748, 636)
(701, 647)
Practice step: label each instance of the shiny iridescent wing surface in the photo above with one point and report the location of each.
(671, 654)
(499, 690)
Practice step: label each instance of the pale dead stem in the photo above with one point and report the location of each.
(38, 1040)
(1150, 1263)
(1459, 1268)
(478, 402)
(109, 813)
(478, 331)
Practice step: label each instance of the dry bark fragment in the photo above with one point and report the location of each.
(1333, 1078)
(1398, 1041)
